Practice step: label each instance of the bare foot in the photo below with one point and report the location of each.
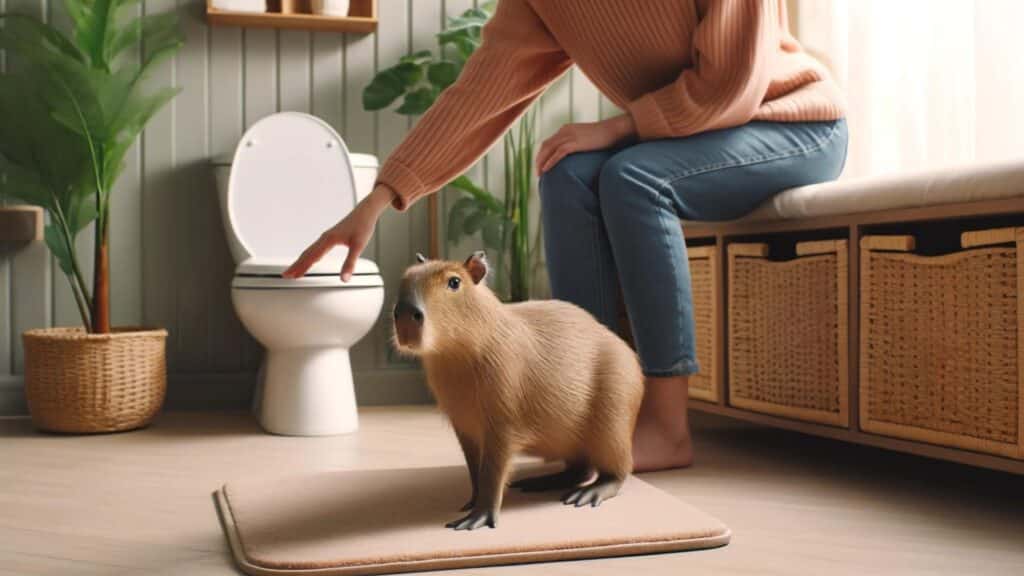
(661, 439)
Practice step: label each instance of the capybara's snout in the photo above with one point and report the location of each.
(408, 317)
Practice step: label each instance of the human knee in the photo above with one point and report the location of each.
(625, 188)
(568, 183)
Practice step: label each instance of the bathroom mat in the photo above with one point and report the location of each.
(390, 521)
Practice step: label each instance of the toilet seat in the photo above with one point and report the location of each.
(266, 273)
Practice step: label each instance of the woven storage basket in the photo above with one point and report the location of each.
(705, 286)
(940, 348)
(787, 333)
(704, 282)
(79, 382)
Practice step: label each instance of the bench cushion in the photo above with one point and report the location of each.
(969, 183)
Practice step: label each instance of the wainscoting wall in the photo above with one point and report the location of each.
(170, 263)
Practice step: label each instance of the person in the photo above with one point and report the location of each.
(722, 109)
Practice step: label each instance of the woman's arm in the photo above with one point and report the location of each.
(516, 61)
(734, 46)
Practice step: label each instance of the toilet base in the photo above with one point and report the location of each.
(307, 392)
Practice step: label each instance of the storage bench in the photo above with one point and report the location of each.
(926, 354)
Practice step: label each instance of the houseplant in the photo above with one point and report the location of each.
(68, 114)
(503, 222)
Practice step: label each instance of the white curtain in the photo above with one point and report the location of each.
(929, 83)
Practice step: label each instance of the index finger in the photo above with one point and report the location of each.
(309, 257)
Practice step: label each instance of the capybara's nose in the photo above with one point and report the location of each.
(407, 309)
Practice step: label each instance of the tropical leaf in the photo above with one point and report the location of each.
(492, 231)
(443, 74)
(54, 237)
(157, 29)
(45, 36)
(474, 221)
(417, 58)
(17, 183)
(386, 87)
(134, 114)
(95, 28)
(418, 101)
(466, 185)
(457, 217)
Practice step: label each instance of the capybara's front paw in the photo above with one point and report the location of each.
(477, 518)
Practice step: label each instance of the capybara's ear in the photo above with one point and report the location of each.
(420, 258)
(477, 266)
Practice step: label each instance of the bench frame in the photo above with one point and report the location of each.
(854, 225)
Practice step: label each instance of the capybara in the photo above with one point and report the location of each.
(542, 378)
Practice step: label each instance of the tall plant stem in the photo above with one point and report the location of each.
(101, 283)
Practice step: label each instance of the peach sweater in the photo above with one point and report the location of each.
(679, 67)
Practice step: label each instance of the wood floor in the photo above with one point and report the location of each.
(139, 503)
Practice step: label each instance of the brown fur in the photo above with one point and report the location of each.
(542, 378)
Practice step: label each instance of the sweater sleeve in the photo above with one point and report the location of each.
(516, 61)
(732, 51)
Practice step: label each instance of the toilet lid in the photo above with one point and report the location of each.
(291, 179)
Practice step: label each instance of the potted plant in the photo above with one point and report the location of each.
(503, 223)
(68, 114)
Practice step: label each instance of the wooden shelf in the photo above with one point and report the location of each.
(20, 225)
(362, 19)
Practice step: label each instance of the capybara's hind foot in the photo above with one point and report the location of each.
(572, 476)
(606, 486)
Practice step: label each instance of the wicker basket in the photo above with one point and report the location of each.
(704, 284)
(787, 332)
(79, 382)
(940, 346)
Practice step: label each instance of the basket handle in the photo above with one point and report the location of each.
(979, 238)
(893, 243)
(813, 247)
(754, 249)
(700, 251)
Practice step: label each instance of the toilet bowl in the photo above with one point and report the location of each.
(290, 178)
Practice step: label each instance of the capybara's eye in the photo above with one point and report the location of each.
(454, 282)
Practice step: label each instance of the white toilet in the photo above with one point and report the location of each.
(291, 178)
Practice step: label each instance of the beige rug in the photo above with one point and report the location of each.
(388, 521)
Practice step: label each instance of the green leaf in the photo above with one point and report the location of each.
(466, 185)
(17, 183)
(58, 244)
(95, 28)
(409, 74)
(46, 36)
(443, 74)
(157, 29)
(418, 101)
(384, 89)
(457, 217)
(475, 221)
(417, 58)
(492, 231)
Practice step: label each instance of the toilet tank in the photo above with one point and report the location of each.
(364, 170)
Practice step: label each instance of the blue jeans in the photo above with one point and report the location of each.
(611, 219)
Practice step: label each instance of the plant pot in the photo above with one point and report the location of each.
(89, 383)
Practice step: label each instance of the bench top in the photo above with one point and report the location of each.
(968, 183)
